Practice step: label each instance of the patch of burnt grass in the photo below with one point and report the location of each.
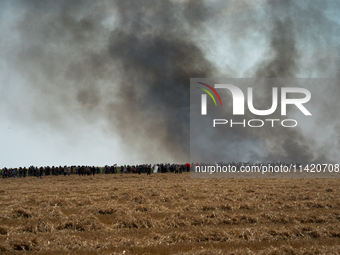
(141, 209)
(3, 231)
(226, 208)
(21, 213)
(23, 245)
(107, 211)
(208, 208)
(80, 224)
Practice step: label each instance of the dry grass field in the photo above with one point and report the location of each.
(168, 214)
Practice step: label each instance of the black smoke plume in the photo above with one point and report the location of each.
(126, 65)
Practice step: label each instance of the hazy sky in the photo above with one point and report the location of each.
(105, 82)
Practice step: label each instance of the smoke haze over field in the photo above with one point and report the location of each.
(104, 82)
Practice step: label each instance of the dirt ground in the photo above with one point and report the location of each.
(168, 214)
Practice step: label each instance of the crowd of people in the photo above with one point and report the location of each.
(39, 172)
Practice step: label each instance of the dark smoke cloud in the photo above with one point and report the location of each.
(129, 63)
(133, 72)
(283, 62)
(286, 36)
(298, 38)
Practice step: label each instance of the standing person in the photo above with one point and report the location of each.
(149, 170)
(47, 170)
(41, 172)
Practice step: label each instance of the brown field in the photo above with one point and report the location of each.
(169, 214)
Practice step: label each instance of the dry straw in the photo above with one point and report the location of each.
(169, 214)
